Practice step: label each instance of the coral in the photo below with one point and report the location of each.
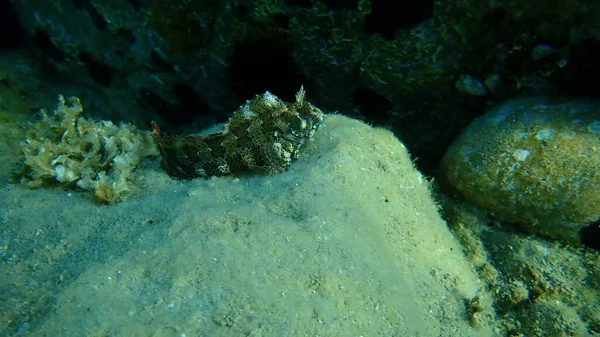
(65, 149)
(533, 162)
(265, 134)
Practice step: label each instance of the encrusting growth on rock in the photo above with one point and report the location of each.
(62, 148)
(264, 135)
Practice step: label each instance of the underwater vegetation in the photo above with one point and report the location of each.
(64, 149)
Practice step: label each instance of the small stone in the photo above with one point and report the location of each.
(494, 83)
(470, 85)
(541, 51)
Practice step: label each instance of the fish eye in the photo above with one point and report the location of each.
(304, 111)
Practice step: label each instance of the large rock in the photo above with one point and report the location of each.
(533, 162)
(346, 242)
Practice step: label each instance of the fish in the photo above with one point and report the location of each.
(265, 135)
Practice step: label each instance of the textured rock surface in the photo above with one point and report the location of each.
(265, 134)
(533, 162)
(347, 242)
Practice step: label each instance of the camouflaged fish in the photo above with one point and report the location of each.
(264, 135)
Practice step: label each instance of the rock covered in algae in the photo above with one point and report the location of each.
(265, 135)
(534, 162)
(63, 148)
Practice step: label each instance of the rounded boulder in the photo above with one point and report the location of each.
(533, 162)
